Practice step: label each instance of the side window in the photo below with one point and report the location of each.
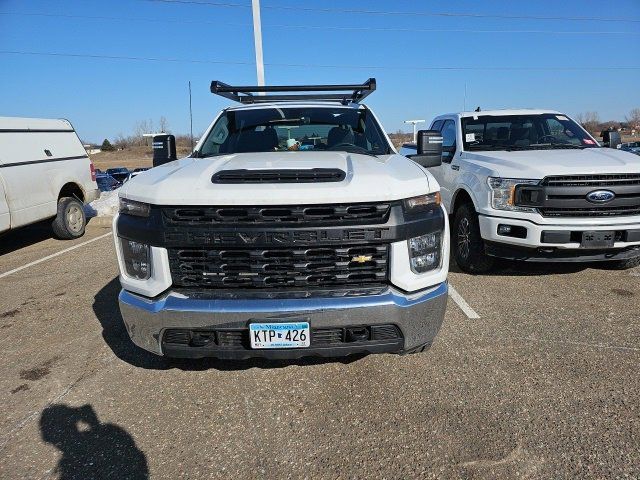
(449, 134)
(217, 137)
(437, 125)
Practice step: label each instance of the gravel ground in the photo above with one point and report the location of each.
(543, 385)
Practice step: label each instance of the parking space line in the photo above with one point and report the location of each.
(464, 306)
(53, 255)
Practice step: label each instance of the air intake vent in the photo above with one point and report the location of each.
(314, 175)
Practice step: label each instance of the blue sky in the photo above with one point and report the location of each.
(104, 97)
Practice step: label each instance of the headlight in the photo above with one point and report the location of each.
(424, 252)
(415, 204)
(137, 259)
(131, 207)
(503, 192)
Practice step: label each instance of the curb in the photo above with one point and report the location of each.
(100, 221)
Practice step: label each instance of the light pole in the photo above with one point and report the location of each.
(415, 131)
(257, 40)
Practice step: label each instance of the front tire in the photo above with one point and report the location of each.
(467, 243)
(70, 222)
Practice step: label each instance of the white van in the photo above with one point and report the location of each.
(44, 173)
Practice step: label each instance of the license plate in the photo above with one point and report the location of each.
(279, 335)
(599, 239)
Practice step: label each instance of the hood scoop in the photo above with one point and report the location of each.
(313, 175)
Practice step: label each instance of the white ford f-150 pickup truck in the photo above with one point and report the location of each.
(533, 185)
(293, 229)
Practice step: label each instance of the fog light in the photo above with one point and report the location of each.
(137, 259)
(504, 229)
(424, 252)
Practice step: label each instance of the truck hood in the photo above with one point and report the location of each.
(537, 164)
(188, 181)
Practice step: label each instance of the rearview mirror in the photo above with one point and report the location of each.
(429, 148)
(164, 149)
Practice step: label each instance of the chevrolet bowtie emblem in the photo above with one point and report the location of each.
(362, 258)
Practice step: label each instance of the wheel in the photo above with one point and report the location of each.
(419, 349)
(70, 221)
(625, 264)
(466, 242)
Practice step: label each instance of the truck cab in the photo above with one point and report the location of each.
(293, 229)
(533, 185)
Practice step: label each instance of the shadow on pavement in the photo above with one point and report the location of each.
(105, 307)
(91, 449)
(25, 236)
(514, 268)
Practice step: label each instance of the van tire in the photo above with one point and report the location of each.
(466, 242)
(70, 222)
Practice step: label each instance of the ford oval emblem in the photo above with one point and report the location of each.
(600, 196)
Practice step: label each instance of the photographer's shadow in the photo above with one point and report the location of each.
(91, 449)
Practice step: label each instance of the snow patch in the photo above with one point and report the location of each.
(105, 206)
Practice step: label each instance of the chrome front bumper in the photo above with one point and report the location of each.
(418, 315)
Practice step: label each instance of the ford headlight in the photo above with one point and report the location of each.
(503, 193)
(131, 207)
(137, 259)
(424, 252)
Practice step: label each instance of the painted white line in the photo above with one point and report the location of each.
(53, 255)
(464, 306)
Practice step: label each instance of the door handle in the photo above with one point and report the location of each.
(455, 167)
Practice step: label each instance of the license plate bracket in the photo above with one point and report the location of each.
(266, 334)
(598, 239)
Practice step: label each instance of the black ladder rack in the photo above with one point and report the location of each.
(246, 94)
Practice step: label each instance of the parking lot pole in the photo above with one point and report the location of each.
(257, 39)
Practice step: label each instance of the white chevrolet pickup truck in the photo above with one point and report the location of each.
(293, 229)
(533, 185)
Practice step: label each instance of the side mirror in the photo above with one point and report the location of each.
(429, 148)
(611, 138)
(164, 149)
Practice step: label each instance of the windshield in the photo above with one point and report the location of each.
(276, 129)
(523, 132)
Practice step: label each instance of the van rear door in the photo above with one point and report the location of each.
(5, 215)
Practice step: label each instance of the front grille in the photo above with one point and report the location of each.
(239, 339)
(309, 175)
(566, 195)
(607, 180)
(349, 214)
(274, 268)
(590, 212)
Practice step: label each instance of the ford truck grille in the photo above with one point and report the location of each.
(566, 196)
(362, 213)
(269, 268)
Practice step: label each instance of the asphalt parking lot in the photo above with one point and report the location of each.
(543, 384)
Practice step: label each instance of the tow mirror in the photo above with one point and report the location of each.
(429, 148)
(164, 149)
(611, 138)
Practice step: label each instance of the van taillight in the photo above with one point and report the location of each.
(93, 171)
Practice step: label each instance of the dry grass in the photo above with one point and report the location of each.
(131, 157)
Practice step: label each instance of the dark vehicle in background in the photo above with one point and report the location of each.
(106, 182)
(633, 147)
(119, 173)
(141, 169)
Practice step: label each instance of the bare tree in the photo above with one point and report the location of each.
(589, 120)
(164, 124)
(140, 128)
(121, 142)
(633, 119)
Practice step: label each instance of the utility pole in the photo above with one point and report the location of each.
(190, 116)
(415, 130)
(257, 40)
